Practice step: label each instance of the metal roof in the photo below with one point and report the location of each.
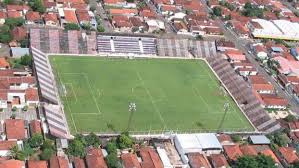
(259, 139)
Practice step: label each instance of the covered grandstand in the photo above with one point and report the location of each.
(53, 108)
(126, 45)
(243, 95)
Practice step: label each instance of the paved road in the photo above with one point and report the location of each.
(101, 12)
(243, 45)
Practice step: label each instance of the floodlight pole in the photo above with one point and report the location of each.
(132, 109)
(225, 108)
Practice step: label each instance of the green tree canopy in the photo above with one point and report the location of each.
(111, 147)
(37, 5)
(71, 26)
(5, 35)
(252, 10)
(246, 162)
(125, 141)
(265, 161)
(76, 148)
(92, 140)
(113, 161)
(16, 153)
(47, 154)
(217, 11)
(14, 22)
(36, 140)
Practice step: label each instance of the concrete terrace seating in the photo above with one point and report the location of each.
(44, 75)
(243, 95)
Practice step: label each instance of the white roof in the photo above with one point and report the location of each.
(195, 142)
(164, 158)
(282, 29)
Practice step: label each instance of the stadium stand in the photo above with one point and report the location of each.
(243, 95)
(185, 47)
(44, 75)
(126, 45)
(58, 41)
(53, 109)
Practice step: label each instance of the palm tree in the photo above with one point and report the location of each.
(16, 153)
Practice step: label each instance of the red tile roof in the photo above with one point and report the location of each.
(130, 160)
(150, 158)
(3, 15)
(79, 163)
(263, 87)
(274, 100)
(37, 164)
(197, 160)
(19, 33)
(269, 152)
(289, 154)
(233, 151)
(33, 16)
(15, 128)
(113, 1)
(58, 162)
(218, 160)
(257, 79)
(14, 14)
(95, 158)
(31, 94)
(4, 63)
(17, 7)
(83, 15)
(12, 164)
(70, 16)
(224, 138)
(51, 17)
(248, 150)
(123, 11)
(121, 21)
(35, 127)
(7, 145)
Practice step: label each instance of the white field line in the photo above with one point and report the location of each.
(74, 123)
(151, 98)
(72, 88)
(86, 113)
(90, 88)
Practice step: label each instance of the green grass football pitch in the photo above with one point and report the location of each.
(178, 95)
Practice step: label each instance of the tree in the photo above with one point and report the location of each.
(279, 138)
(71, 26)
(5, 35)
(111, 147)
(265, 161)
(236, 138)
(36, 141)
(16, 153)
(76, 148)
(125, 141)
(28, 151)
(246, 162)
(26, 60)
(100, 28)
(87, 26)
(47, 154)
(252, 10)
(290, 118)
(113, 161)
(13, 22)
(37, 5)
(92, 140)
(217, 11)
(92, 8)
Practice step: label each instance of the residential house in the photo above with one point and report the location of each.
(121, 23)
(138, 24)
(225, 139)
(130, 160)
(33, 18)
(261, 85)
(150, 158)
(273, 102)
(222, 45)
(3, 16)
(260, 51)
(19, 33)
(16, 10)
(232, 152)
(248, 150)
(12, 163)
(4, 64)
(155, 25)
(218, 161)
(78, 163)
(115, 3)
(83, 17)
(35, 127)
(95, 158)
(5, 147)
(15, 129)
(270, 153)
(37, 164)
(235, 56)
(51, 19)
(197, 160)
(59, 162)
(67, 16)
(125, 12)
(288, 155)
